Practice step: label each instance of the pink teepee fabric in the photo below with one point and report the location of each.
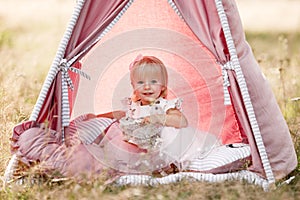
(199, 50)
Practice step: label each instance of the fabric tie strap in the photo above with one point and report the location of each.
(67, 82)
(64, 67)
(226, 83)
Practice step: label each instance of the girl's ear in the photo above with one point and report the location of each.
(164, 92)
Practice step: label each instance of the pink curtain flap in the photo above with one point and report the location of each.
(204, 21)
(94, 18)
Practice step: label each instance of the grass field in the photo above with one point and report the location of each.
(26, 52)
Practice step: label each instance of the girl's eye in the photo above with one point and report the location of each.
(140, 82)
(154, 82)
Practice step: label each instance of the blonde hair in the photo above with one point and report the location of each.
(146, 64)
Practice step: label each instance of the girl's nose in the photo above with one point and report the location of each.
(146, 85)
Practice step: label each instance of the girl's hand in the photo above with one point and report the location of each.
(146, 120)
(118, 114)
(90, 116)
(113, 115)
(153, 119)
(173, 118)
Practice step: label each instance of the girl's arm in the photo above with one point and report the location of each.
(173, 118)
(113, 115)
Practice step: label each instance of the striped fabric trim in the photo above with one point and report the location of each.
(226, 83)
(65, 103)
(81, 73)
(55, 64)
(10, 169)
(243, 175)
(174, 7)
(47, 83)
(105, 31)
(65, 110)
(89, 130)
(66, 81)
(244, 91)
(219, 157)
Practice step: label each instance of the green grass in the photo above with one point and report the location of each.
(182, 190)
(277, 53)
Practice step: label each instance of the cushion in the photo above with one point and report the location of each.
(90, 129)
(223, 159)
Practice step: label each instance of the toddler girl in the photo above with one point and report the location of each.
(153, 133)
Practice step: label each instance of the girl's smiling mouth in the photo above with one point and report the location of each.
(147, 93)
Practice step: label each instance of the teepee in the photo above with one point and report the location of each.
(210, 65)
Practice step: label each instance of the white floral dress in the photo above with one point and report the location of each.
(175, 146)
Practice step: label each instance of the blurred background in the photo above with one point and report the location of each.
(49, 18)
(270, 15)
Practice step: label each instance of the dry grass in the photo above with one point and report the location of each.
(27, 50)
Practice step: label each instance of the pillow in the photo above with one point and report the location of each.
(223, 159)
(89, 130)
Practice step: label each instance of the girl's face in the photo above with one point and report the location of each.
(147, 83)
